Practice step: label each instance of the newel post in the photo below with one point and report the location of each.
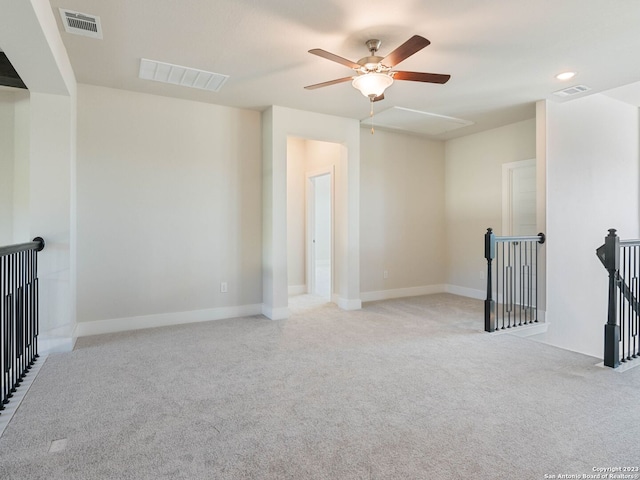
(611, 262)
(489, 303)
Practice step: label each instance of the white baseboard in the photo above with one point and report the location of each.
(466, 292)
(56, 340)
(401, 292)
(97, 327)
(524, 330)
(280, 313)
(48, 344)
(348, 303)
(297, 289)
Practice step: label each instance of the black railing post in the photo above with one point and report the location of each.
(611, 260)
(489, 303)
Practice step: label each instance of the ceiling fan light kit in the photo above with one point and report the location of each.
(372, 85)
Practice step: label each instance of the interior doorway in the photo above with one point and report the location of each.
(320, 233)
(314, 213)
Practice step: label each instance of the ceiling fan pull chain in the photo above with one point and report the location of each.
(371, 115)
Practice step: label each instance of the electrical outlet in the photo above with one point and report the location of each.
(223, 287)
(385, 274)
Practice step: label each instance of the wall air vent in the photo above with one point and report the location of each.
(81, 23)
(183, 76)
(575, 90)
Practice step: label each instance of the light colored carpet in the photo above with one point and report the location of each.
(403, 389)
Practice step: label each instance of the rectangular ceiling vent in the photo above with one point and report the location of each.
(183, 76)
(81, 23)
(575, 90)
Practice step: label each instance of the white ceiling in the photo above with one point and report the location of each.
(502, 55)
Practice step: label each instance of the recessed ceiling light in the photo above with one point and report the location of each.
(565, 75)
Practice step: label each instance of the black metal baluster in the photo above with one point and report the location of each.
(3, 337)
(36, 319)
(19, 316)
(532, 269)
(627, 319)
(18, 324)
(527, 292)
(36, 294)
(503, 284)
(533, 254)
(526, 284)
(621, 306)
(12, 368)
(32, 275)
(27, 325)
(634, 312)
(629, 309)
(625, 315)
(521, 289)
(7, 301)
(509, 281)
(23, 315)
(636, 294)
(27, 334)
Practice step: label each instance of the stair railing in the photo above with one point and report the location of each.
(621, 258)
(512, 281)
(18, 314)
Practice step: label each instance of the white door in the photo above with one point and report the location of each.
(319, 234)
(519, 218)
(519, 198)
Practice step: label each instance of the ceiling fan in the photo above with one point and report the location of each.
(373, 74)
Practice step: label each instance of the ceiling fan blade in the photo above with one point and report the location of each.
(330, 82)
(421, 77)
(379, 97)
(334, 58)
(408, 48)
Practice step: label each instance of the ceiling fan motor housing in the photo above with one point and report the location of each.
(372, 64)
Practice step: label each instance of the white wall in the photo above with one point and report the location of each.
(21, 167)
(474, 197)
(51, 212)
(402, 228)
(45, 159)
(296, 247)
(6, 167)
(169, 206)
(592, 185)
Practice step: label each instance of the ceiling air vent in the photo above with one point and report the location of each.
(183, 76)
(81, 23)
(575, 90)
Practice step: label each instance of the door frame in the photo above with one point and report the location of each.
(310, 221)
